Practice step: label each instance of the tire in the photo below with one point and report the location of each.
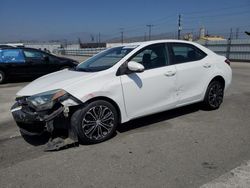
(214, 95)
(2, 77)
(95, 122)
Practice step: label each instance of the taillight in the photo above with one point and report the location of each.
(227, 62)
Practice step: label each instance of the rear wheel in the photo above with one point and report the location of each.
(214, 95)
(2, 77)
(96, 122)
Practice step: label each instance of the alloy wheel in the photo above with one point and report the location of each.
(98, 122)
(215, 95)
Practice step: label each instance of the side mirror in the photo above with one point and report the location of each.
(135, 67)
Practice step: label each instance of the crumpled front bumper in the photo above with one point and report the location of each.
(32, 122)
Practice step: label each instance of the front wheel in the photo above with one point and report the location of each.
(2, 77)
(95, 122)
(214, 95)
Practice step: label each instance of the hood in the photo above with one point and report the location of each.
(66, 59)
(57, 80)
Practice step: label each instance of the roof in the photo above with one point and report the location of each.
(145, 43)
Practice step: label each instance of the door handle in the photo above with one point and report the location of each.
(207, 65)
(170, 73)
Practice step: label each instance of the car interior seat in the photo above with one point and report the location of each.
(146, 60)
(191, 55)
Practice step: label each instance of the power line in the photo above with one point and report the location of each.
(190, 16)
(217, 15)
(216, 9)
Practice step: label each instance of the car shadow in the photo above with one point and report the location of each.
(125, 127)
(36, 140)
(159, 117)
(44, 138)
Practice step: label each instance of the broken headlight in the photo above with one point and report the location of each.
(45, 100)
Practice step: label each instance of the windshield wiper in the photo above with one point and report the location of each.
(83, 69)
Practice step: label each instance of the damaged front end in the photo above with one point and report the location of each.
(46, 112)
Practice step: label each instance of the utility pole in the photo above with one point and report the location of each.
(99, 39)
(149, 30)
(179, 26)
(237, 33)
(231, 34)
(122, 33)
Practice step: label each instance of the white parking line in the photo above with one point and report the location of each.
(238, 177)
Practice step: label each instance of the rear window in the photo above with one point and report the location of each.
(11, 56)
(182, 53)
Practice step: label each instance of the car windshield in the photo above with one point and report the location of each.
(105, 59)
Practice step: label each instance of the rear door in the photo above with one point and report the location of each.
(37, 62)
(54, 63)
(193, 70)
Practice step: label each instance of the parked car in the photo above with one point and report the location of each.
(121, 84)
(29, 62)
(6, 46)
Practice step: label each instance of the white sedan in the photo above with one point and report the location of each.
(121, 84)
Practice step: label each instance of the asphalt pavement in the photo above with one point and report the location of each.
(185, 147)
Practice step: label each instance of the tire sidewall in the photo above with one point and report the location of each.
(2, 74)
(78, 116)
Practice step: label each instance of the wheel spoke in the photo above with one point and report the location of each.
(94, 113)
(89, 121)
(107, 116)
(91, 114)
(99, 111)
(103, 112)
(106, 125)
(100, 134)
(90, 130)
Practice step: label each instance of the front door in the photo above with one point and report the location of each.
(153, 90)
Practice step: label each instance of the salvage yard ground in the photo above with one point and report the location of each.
(186, 147)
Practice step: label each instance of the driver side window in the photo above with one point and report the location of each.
(152, 56)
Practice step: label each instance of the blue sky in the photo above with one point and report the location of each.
(34, 19)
